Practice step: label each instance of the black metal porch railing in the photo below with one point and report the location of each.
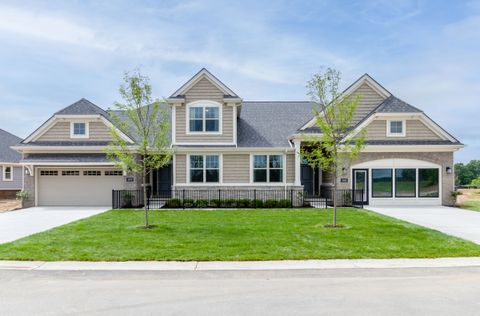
(228, 198)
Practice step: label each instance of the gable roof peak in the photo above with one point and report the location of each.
(82, 107)
(204, 73)
(371, 82)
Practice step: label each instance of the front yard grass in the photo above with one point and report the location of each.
(236, 235)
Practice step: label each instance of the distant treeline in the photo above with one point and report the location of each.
(466, 173)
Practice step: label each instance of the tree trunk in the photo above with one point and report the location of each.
(145, 197)
(335, 197)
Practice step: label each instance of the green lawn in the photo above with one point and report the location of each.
(236, 235)
(471, 205)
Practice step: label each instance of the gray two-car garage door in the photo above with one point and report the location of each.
(77, 187)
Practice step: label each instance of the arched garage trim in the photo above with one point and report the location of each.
(397, 163)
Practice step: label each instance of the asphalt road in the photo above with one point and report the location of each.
(415, 291)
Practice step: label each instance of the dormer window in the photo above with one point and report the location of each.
(396, 128)
(204, 117)
(79, 130)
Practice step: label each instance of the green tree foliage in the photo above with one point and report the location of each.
(144, 119)
(335, 148)
(466, 173)
(475, 182)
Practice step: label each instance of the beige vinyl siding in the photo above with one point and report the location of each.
(204, 90)
(225, 137)
(61, 131)
(236, 168)
(416, 130)
(99, 131)
(180, 168)
(290, 168)
(369, 99)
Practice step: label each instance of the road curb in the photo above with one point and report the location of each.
(240, 265)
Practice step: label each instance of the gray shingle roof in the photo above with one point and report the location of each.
(121, 115)
(82, 107)
(410, 142)
(393, 104)
(95, 158)
(269, 124)
(6, 153)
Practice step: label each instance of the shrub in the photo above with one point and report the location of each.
(475, 183)
(188, 203)
(173, 203)
(22, 195)
(284, 203)
(243, 203)
(230, 203)
(258, 203)
(201, 203)
(270, 203)
(215, 203)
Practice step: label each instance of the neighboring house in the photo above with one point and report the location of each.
(11, 172)
(222, 141)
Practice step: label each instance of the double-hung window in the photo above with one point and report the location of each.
(204, 168)
(7, 173)
(267, 168)
(204, 118)
(396, 128)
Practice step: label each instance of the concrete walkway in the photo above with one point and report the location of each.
(449, 220)
(22, 223)
(241, 265)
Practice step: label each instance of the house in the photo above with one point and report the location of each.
(223, 141)
(11, 172)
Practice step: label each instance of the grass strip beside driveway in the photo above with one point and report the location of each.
(236, 235)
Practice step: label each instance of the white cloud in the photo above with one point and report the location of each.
(39, 25)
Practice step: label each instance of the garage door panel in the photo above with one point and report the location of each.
(56, 189)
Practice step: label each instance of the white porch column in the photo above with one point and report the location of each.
(298, 161)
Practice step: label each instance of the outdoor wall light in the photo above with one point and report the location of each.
(448, 170)
(27, 172)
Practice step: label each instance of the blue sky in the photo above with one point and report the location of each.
(425, 52)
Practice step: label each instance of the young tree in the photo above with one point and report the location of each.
(334, 149)
(148, 122)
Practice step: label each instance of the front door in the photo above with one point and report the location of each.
(162, 181)
(360, 186)
(306, 178)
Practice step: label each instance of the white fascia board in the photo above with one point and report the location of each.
(204, 73)
(411, 148)
(62, 149)
(233, 149)
(39, 131)
(304, 136)
(67, 164)
(176, 101)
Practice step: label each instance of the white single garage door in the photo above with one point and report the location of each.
(77, 187)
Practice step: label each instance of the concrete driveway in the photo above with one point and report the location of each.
(449, 220)
(21, 223)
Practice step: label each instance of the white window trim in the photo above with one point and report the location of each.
(87, 130)
(284, 174)
(204, 183)
(11, 173)
(203, 104)
(404, 128)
